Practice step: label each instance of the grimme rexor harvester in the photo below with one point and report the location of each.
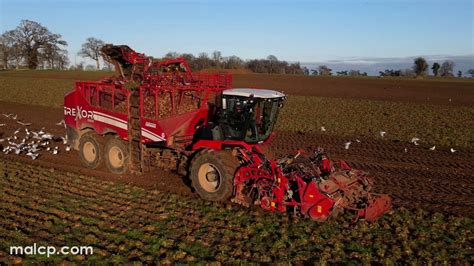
(160, 114)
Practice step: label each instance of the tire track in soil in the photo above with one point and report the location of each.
(434, 180)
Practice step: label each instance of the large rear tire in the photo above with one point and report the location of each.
(116, 156)
(212, 174)
(89, 151)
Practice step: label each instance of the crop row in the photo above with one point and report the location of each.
(125, 223)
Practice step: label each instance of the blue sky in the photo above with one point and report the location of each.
(305, 31)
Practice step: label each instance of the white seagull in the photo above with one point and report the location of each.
(61, 123)
(415, 140)
(382, 133)
(453, 150)
(64, 139)
(47, 136)
(347, 144)
(23, 123)
(433, 148)
(323, 129)
(33, 155)
(10, 115)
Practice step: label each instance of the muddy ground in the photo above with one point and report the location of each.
(438, 180)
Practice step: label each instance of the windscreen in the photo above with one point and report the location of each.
(249, 119)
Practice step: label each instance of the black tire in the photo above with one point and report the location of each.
(212, 174)
(89, 151)
(116, 156)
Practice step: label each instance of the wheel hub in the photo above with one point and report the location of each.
(212, 176)
(116, 157)
(209, 177)
(89, 152)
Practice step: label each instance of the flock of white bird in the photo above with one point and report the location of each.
(32, 143)
(414, 141)
(29, 142)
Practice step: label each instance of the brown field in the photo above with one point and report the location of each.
(438, 182)
(428, 91)
(433, 180)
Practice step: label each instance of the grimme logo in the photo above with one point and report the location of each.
(78, 112)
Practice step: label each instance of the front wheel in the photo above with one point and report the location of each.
(212, 174)
(116, 156)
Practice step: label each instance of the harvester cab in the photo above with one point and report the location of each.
(247, 115)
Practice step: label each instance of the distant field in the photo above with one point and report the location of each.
(53, 74)
(452, 91)
(348, 107)
(443, 125)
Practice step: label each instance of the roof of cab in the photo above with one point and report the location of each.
(258, 93)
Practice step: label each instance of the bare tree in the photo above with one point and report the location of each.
(257, 66)
(420, 66)
(31, 36)
(11, 50)
(171, 55)
(446, 69)
(62, 59)
(4, 51)
(217, 58)
(272, 62)
(435, 68)
(354, 73)
(203, 61)
(91, 49)
(324, 70)
(50, 54)
(233, 62)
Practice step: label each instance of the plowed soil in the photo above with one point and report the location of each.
(454, 92)
(437, 180)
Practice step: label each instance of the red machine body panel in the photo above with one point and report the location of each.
(165, 110)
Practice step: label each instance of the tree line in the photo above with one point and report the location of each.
(269, 65)
(32, 45)
(420, 69)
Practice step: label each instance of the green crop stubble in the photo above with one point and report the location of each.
(433, 124)
(194, 234)
(44, 92)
